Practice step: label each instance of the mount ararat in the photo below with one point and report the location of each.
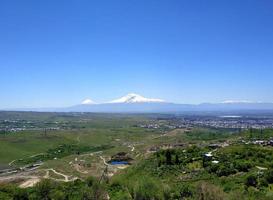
(134, 103)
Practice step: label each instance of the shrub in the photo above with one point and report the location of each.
(43, 188)
(242, 166)
(269, 176)
(147, 189)
(20, 194)
(207, 191)
(251, 180)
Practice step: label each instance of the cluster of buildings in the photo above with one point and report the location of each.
(7, 126)
(233, 122)
(227, 122)
(237, 122)
(263, 142)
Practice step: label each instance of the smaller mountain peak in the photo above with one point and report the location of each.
(87, 102)
(237, 101)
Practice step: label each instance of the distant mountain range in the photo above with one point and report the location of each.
(134, 103)
(137, 103)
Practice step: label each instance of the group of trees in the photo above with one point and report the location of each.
(133, 185)
(50, 190)
(168, 157)
(149, 188)
(143, 188)
(239, 159)
(262, 179)
(178, 156)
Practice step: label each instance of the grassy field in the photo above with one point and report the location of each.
(84, 130)
(19, 145)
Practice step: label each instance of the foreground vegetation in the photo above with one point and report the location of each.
(171, 174)
(242, 171)
(206, 164)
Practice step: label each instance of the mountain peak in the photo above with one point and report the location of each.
(87, 102)
(237, 101)
(136, 98)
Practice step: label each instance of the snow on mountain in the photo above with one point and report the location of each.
(87, 102)
(135, 98)
(237, 101)
(134, 103)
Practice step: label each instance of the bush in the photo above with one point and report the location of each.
(58, 195)
(225, 170)
(269, 176)
(147, 189)
(207, 191)
(185, 191)
(242, 166)
(43, 188)
(251, 180)
(20, 194)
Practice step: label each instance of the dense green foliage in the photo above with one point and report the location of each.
(49, 190)
(171, 174)
(244, 171)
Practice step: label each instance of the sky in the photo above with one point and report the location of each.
(58, 53)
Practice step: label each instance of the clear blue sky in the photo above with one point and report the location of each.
(57, 53)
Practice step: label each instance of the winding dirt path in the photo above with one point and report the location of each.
(32, 156)
(66, 178)
(104, 161)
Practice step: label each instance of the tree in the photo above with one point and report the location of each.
(269, 176)
(168, 155)
(243, 166)
(251, 180)
(119, 191)
(20, 194)
(43, 189)
(95, 190)
(177, 159)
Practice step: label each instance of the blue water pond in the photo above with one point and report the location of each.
(119, 163)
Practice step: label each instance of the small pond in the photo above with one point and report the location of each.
(119, 163)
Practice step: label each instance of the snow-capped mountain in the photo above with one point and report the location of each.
(88, 102)
(134, 103)
(135, 98)
(129, 103)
